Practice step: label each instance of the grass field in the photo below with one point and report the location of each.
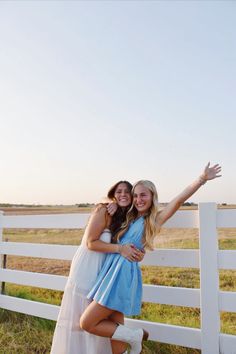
(26, 334)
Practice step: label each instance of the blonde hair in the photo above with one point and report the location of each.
(151, 227)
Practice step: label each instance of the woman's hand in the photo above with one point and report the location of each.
(210, 172)
(111, 208)
(131, 253)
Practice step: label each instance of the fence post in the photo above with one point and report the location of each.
(209, 279)
(1, 257)
(4, 266)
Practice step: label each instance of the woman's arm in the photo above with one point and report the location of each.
(208, 174)
(95, 227)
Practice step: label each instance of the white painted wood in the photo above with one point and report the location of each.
(151, 293)
(171, 295)
(56, 221)
(63, 252)
(227, 344)
(1, 257)
(208, 338)
(176, 335)
(172, 258)
(46, 281)
(184, 336)
(227, 259)
(210, 320)
(183, 219)
(189, 337)
(227, 301)
(1, 224)
(29, 307)
(226, 218)
(159, 257)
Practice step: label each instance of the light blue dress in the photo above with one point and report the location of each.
(119, 284)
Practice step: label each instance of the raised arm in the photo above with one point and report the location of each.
(209, 173)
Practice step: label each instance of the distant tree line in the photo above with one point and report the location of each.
(194, 204)
(84, 205)
(189, 204)
(5, 205)
(8, 205)
(79, 205)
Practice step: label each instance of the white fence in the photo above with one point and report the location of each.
(208, 258)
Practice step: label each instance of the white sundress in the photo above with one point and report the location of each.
(68, 337)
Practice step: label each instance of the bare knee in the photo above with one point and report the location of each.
(86, 324)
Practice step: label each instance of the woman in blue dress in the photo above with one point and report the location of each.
(118, 287)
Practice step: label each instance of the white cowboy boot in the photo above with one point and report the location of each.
(132, 336)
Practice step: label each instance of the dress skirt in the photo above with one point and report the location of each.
(68, 337)
(119, 283)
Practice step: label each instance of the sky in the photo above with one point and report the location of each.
(92, 92)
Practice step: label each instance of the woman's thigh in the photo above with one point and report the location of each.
(117, 317)
(94, 314)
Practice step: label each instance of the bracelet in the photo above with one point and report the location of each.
(202, 180)
(119, 248)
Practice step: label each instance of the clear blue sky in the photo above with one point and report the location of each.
(97, 91)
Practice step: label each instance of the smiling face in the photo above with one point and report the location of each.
(122, 195)
(142, 199)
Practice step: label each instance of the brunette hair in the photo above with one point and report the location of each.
(120, 215)
(151, 227)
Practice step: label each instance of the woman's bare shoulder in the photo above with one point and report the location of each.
(100, 208)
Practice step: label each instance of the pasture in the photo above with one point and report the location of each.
(25, 334)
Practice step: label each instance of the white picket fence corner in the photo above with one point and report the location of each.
(208, 258)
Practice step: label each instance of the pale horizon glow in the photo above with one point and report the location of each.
(93, 92)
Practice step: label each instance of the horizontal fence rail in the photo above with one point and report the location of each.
(159, 257)
(182, 219)
(176, 296)
(55, 221)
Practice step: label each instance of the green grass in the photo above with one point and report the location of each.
(24, 334)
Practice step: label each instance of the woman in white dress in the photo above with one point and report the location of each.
(68, 337)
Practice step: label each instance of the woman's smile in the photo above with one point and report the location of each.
(122, 195)
(142, 199)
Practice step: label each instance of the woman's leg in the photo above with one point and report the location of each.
(95, 320)
(117, 346)
(100, 320)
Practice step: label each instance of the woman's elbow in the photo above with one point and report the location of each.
(90, 244)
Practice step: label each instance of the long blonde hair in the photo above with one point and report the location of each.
(151, 227)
